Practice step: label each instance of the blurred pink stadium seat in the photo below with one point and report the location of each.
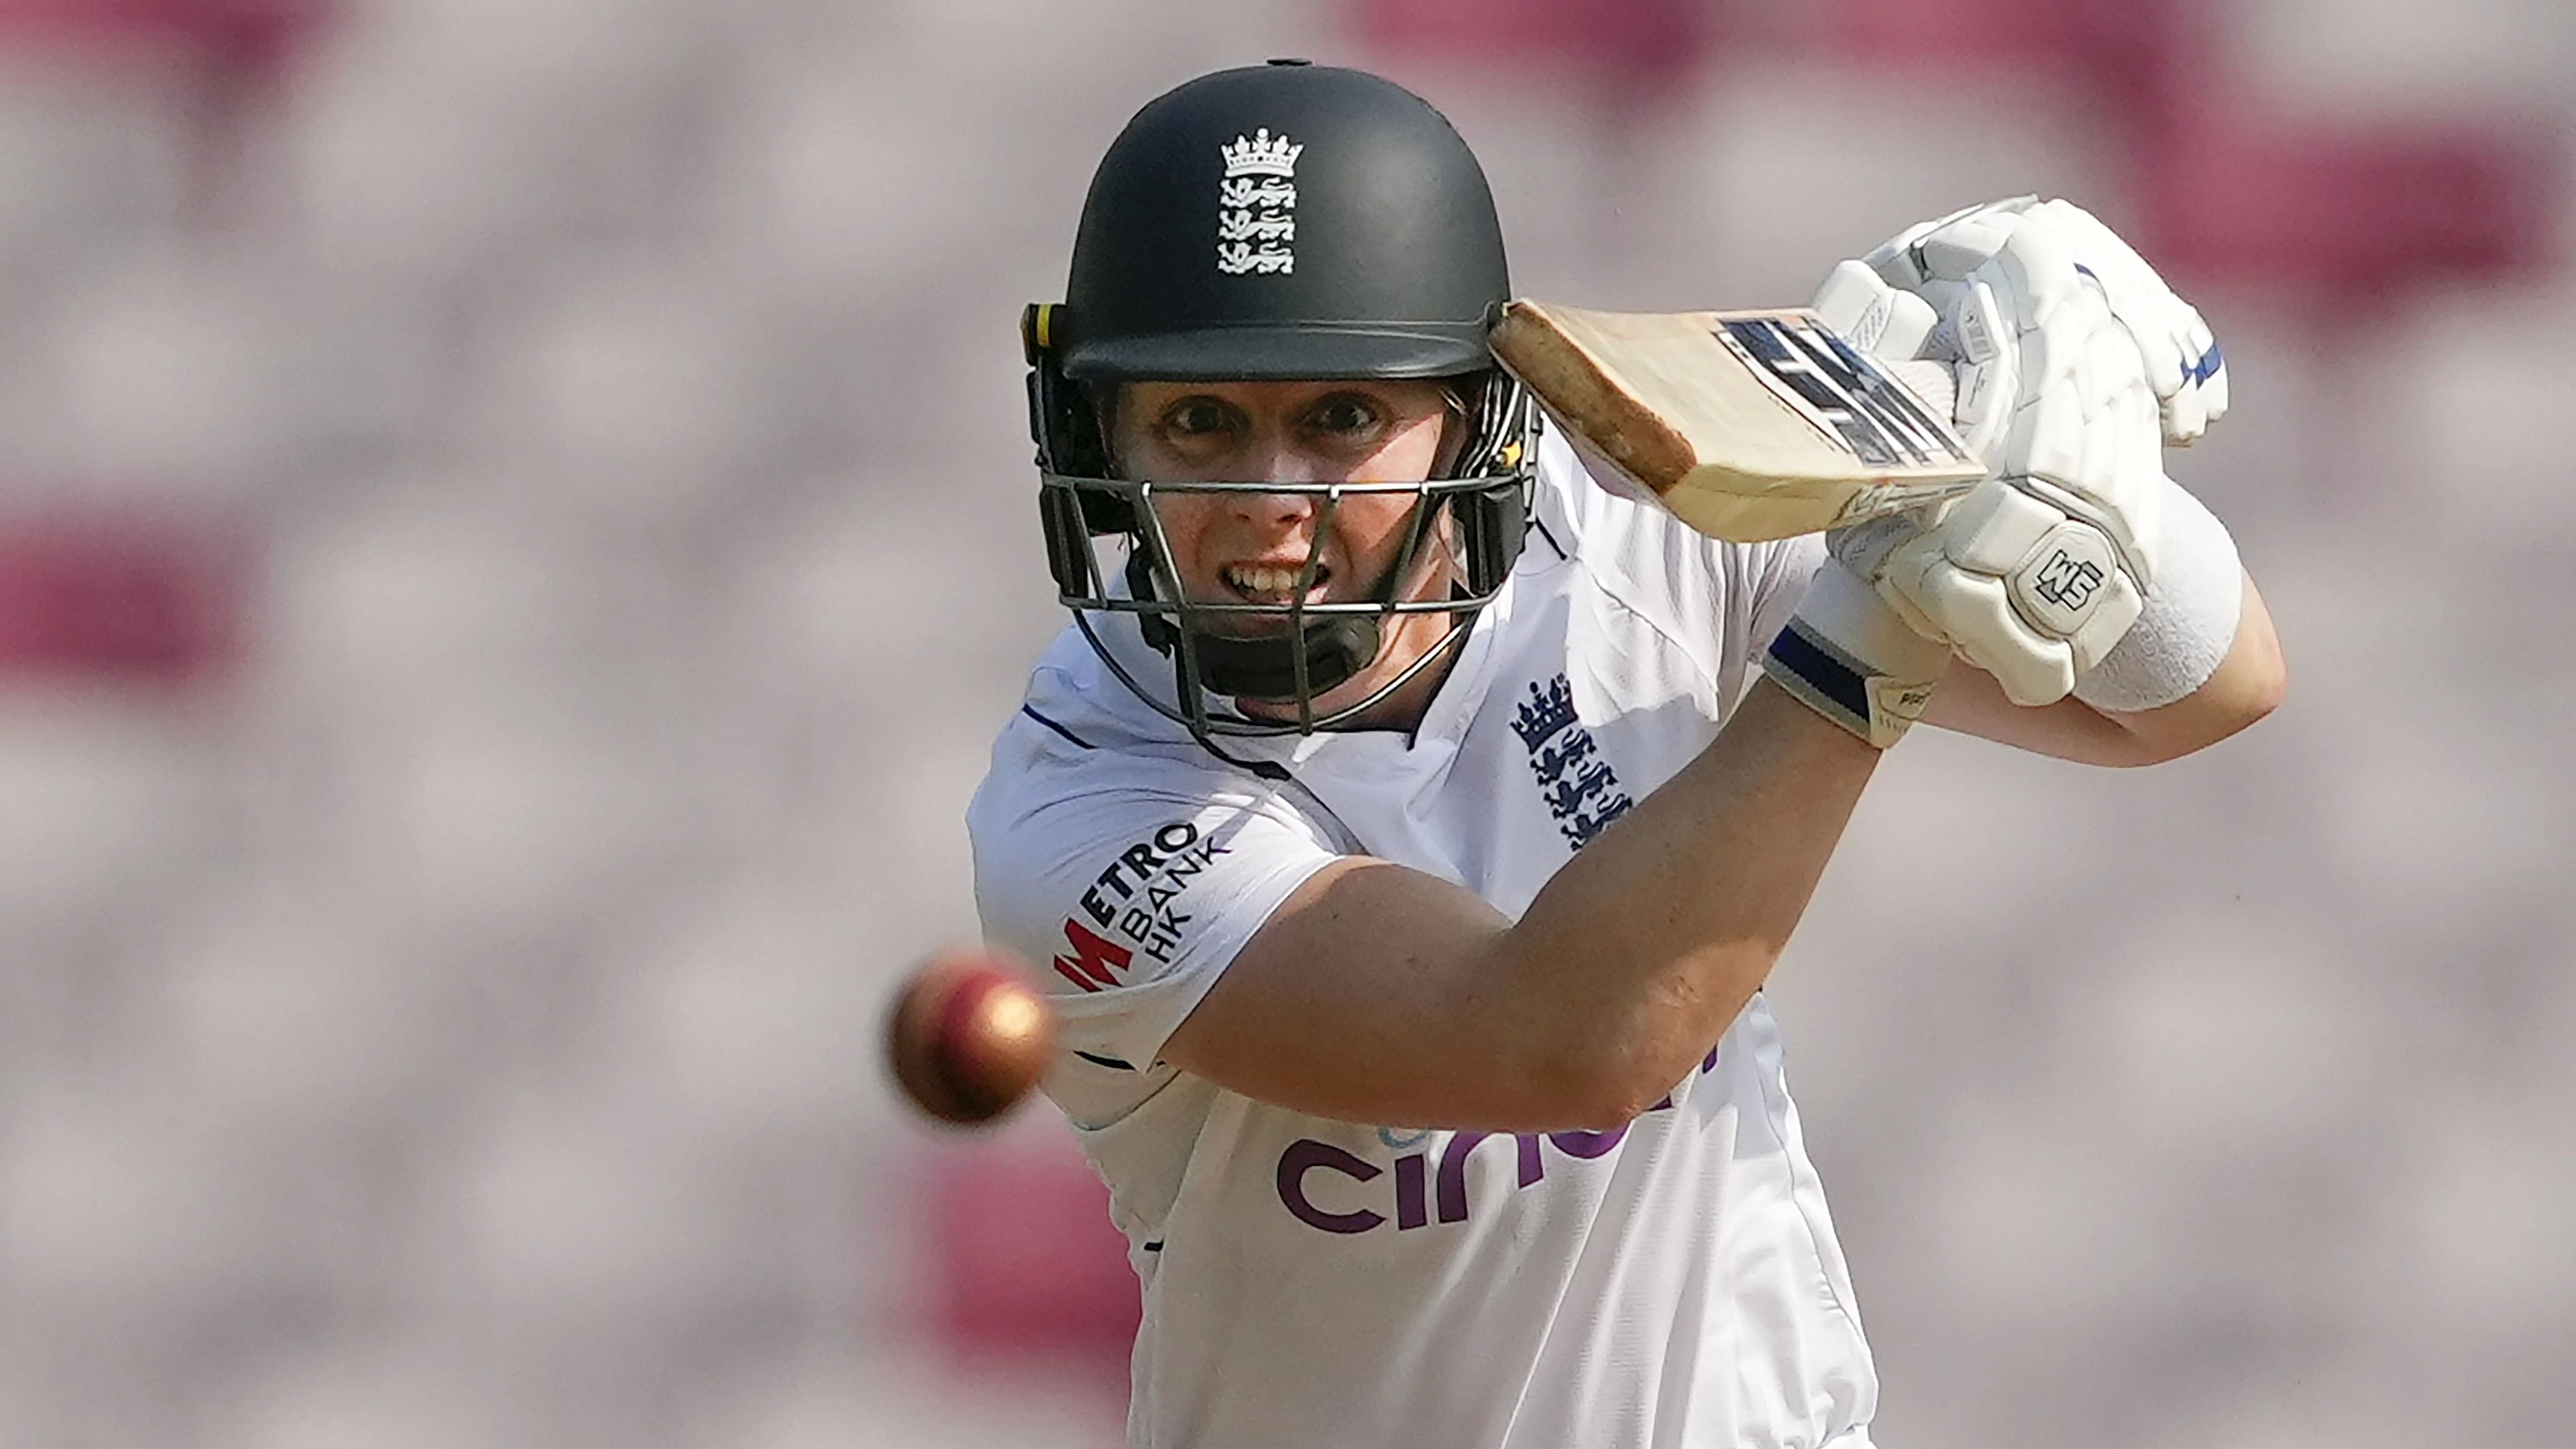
(2228, 188)
(1643, 42)
(2349, 214)
(123, 599)
(2129, 51)
(220, 61)
(1027, 1263)
(246, 40)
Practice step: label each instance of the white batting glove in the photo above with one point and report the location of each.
(1854, 655)
(2036, 574)
(2184, 366)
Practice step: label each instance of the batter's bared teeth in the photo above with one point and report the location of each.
(1256, 580)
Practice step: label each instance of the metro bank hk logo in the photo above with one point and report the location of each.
(1256, 205)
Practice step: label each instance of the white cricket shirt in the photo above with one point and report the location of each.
(1310, 1282)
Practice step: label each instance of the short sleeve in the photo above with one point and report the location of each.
(1723, 601)
(1778, 575)
(1131, 898)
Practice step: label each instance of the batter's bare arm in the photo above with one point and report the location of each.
(2247, 685)
(1378, 993)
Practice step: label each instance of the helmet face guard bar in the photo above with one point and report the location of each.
(1319, 645)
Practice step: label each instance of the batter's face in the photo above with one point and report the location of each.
(1251, 547)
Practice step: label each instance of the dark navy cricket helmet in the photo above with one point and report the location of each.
(1277, 222)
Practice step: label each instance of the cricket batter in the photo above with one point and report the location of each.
(1407, 823)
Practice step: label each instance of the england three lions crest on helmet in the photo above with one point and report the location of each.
(1254, 227)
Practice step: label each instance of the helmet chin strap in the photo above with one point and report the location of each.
(1336, 646)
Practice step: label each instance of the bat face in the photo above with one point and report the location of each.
(1747, 425)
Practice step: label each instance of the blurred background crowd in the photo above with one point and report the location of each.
(515, 535)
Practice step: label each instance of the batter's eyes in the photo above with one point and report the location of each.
(1345, 415)
(1199, 417)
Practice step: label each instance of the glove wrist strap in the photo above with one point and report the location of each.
(1848, 657)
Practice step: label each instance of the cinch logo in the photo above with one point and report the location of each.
(1133, 906)
(1425, 1191)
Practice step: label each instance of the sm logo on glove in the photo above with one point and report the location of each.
(2064, 576)
(2068, 582)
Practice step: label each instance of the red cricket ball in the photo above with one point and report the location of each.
(968, 1036)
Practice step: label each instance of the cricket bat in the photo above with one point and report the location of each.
(1747, 425)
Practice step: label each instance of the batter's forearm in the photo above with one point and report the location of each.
(2247, 685)
(1640, 953)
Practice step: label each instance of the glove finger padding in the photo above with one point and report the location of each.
(2083, 433)
(1989, 369)
(2069, 376)
(2036, 574)
(2184, 366)
(1950, 247)
(1931, 340)
(1871, 315)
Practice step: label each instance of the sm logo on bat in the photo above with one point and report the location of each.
(1843, 391)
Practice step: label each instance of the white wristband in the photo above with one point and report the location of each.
(2189, 620)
